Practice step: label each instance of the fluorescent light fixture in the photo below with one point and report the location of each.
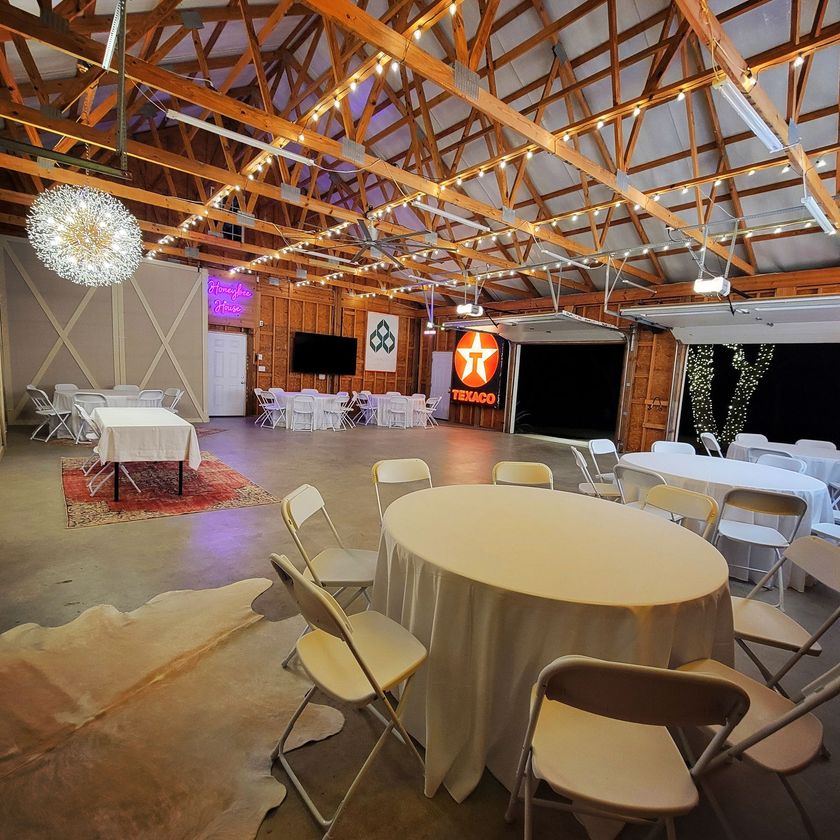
(447, 215)
(748, 114)
(239, 138)
(810, 204)
(711, 286)
(111, 45)
(474, 310)
(323, 256)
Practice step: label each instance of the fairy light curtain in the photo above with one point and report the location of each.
(701, 370)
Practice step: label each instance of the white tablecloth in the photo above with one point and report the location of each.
(715, 476)
(66, 401)
(497, 581)
(823, 464)
(382, 404)
(145, 434)
(322, 402)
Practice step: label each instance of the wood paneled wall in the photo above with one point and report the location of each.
(287, 309)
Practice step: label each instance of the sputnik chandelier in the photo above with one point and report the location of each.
(85, 235)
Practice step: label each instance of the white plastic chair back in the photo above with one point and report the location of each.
(774, 459)
(710, 444)
(393, 394)
(296, 509)
(602, 446)
(674, 447)
(317, 606)
(311, 392)
(151, 398)
(172, 396)
(816, 444)
(365, 393)
(756, 452)
(399, 410)
(686, 505)
(398, 471)
(421, 396)
(818, 558)
(645, 695)
(748, 439)
(265, 399)
(82, 410)
(634, 483)
(39, 399)
(524, 473)
(66, 387)
(130, 389)
(581, 464)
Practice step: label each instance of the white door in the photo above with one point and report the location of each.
(441, 382)
(226, 359)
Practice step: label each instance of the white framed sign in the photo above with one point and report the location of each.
(381, 340)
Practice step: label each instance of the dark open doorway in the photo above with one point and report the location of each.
(569, 390)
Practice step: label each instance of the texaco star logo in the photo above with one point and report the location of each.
(382, 338)
(476, 358)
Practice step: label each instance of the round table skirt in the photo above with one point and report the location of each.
(488, 643)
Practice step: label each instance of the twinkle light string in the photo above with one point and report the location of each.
(700, 372)
(749, 376)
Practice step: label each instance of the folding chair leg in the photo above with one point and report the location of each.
(32, 436)
(529, 805)
(803, 814)
(125, 472)
(293, 652)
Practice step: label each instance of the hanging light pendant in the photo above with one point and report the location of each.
(85, 235)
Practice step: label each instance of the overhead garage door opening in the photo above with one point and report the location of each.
(569, 390)
(795, 397)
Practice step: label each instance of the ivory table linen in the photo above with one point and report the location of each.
(145, 434)
(497, 581)
(66, 401)
(715, 476)
(823, 464)
(381, 403)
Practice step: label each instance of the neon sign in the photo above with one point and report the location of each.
(224, 296)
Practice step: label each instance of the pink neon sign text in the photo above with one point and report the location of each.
(224, 296)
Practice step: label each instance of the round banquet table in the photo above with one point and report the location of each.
(716, 476)
(823, 464)
(498, 581)
(381, 404)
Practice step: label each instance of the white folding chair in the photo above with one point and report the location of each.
(129, 389)
(90, 402)
(606, 449)
(171, 398)
(763, 536)
(816, 444)
(756, 452)
(398, 471)
(151, 398)
(355, 660)
(757, 622)
(782, 462)
(310, 392)
(674, 447)
(524, 473)
(600, 489)
(748, 439)
(335, 567)
(597, 735)
(710, 444)
(271, 411)
(101, 476)
(683, 506)
(634, 483)
(66, 386)
(303, 413)
(260, 409)
(367, 412)
(399, 413)
(827, 530)
(778, 734)
(334, 413)
(92, 435)
(429, 409)
(393, 394)
(44, 408)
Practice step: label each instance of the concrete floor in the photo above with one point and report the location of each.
(49, 575)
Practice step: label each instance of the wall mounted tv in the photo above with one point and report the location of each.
(317, 353)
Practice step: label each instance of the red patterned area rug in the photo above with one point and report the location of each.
(214, 486)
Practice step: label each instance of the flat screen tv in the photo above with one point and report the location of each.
(316, 353)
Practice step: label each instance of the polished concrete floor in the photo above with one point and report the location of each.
(49, 575)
